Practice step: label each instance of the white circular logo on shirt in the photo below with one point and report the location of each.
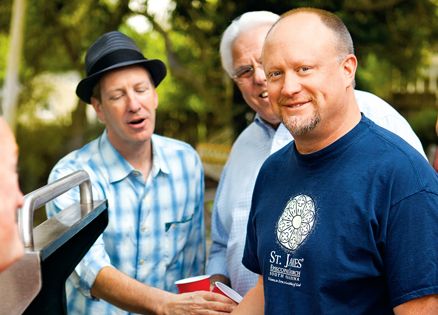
(296, 222)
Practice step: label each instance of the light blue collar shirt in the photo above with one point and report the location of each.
(233, 201)
(156, 229)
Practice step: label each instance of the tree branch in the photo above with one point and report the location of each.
(178, 70)
(371, 5)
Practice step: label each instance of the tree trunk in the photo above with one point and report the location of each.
(11, 87)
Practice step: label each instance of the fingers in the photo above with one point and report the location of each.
(212, 296)
(210, 303)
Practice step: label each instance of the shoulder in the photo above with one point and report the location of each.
(276, 162)
(255, 139)
(388, 141)
(78, 158)
(170, 150)
(384, 115)
(169, 144)
(251, 131)
(397, 159)
(371, 102)
(86, 158)
(244, 138)
(376, 108)
(380, 111)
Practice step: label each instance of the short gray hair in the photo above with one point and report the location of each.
(245, 22)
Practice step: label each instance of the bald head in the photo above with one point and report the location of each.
(341, 37)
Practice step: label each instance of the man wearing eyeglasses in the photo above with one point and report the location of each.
(240, 50)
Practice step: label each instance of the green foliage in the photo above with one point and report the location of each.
(5, 15)
(59, 32)
(4, 43)
(423, 122)
(375, 75)
(40, 147)
(197, 101)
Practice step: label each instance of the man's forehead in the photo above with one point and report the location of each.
(296, 24)
(260, 29)
(249, 50)
(303, 32)
(133, 69)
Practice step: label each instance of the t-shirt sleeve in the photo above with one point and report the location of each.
(250, 258)
(411, 249)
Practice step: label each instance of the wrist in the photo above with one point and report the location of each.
(162, 306)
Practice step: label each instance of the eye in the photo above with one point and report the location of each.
(141, 88)
(244, 72)
(115, 97)
(274, 75)
(247, 72)
(304, 69)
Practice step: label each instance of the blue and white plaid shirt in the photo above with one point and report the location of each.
(156, 229)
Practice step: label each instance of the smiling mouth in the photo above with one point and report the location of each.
(296, 104)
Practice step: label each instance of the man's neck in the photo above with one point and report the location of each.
(329, 131)
(139, 155)
(272, 124)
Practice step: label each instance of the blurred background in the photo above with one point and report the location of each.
(43, 43)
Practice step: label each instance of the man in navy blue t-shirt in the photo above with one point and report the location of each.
(344, 220)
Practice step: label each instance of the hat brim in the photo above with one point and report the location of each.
(156, 68)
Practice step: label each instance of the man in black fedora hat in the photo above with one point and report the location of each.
(154, 187)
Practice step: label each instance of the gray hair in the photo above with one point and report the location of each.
(245, 22)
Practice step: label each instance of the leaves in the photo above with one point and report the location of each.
(198, 102)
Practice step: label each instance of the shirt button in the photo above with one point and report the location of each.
(144, 228)
(136, 173)
(141, 262)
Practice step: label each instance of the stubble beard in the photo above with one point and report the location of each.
(299, 126)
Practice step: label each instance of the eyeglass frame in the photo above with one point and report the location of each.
(245, 72)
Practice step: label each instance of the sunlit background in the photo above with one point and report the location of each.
(42, 47)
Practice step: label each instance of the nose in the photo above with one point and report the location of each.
(291, 85)
(259, 75)
(134, 103)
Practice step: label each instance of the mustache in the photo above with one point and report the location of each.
(295, 100)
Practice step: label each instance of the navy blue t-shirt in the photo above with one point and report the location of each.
(350, 229)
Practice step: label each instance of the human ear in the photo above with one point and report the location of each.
(97, 105)
(349, 66)
(155, 98)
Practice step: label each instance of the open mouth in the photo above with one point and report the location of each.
(136, 121)
(264, 94)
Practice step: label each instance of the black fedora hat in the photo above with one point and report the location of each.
(111, 51)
